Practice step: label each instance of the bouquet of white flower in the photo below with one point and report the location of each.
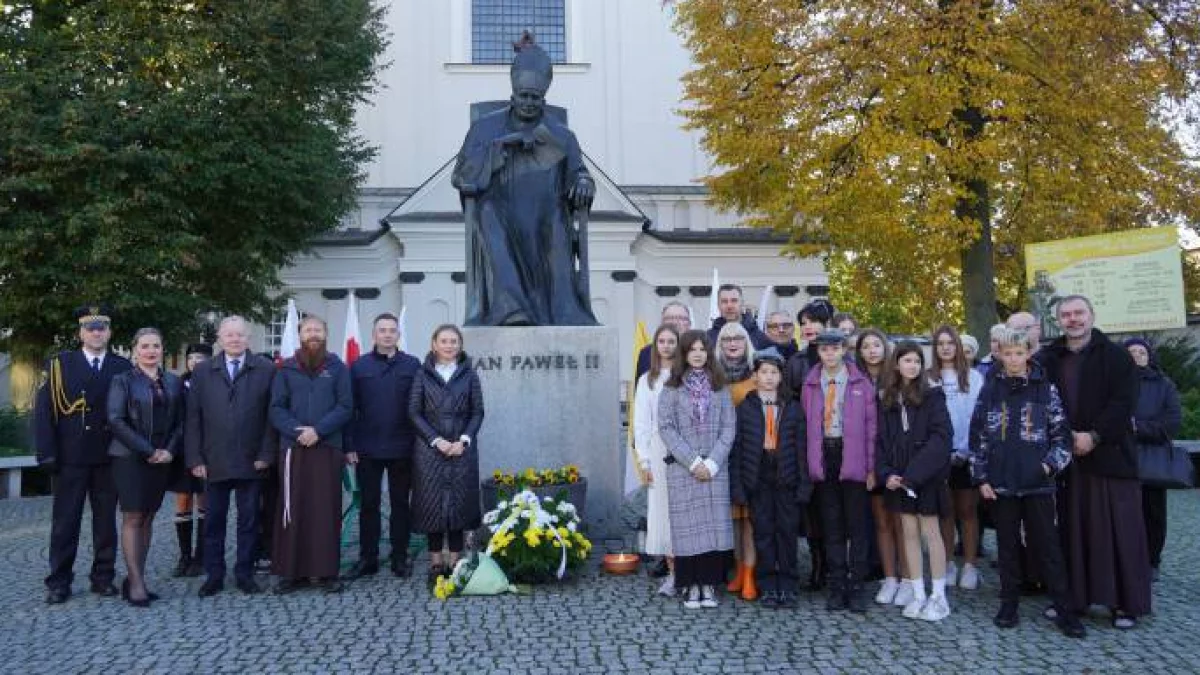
(536, 539)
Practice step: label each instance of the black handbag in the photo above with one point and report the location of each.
(1165, 466)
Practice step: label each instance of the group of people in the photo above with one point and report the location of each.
(272, 437)
(748, 438)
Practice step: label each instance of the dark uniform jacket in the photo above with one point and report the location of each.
(227, 420)
(82, 437)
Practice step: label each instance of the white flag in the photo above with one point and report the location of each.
(714, 308)
(403, 330)
(289, 341)
(762, 307)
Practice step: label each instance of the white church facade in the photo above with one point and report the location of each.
(654, 237)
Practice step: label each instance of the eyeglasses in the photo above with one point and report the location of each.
(735, 338)
(780, 326)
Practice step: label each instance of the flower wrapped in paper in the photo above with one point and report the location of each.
(536, 539)
(476, 574)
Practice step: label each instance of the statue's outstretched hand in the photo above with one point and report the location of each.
(582, 194)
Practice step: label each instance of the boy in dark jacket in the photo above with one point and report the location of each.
(1019, 443)
(769, 473)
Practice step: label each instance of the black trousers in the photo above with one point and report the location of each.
(842, 504)
(72, 486)
(268, 495)
(1154, 512)
(370, 484)
(775, 519)
(247, 493)
(1042, 542)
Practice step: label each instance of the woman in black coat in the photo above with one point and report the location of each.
(145, 413)
(1156, 420)
(446, 406)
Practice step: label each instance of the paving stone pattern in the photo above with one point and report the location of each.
(593, 624)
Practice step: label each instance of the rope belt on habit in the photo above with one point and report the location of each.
(287, 487)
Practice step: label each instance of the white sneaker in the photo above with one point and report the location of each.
(913, 609)
(708, 597)
(936, 609)
(951, 574)
(904, 594)
(693, 598)
(667, 588)
(970, 577)
(887, 591)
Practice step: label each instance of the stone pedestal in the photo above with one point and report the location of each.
(551, 397)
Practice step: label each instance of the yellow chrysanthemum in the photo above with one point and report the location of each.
(533, 537)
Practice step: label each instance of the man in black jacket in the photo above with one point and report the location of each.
(382, 435)
(71, 435)
(1101, 507)
(729, 303)
(230, 444)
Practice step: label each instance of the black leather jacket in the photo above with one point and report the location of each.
(131, 414)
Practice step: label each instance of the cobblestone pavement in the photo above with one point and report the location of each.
(594, 624)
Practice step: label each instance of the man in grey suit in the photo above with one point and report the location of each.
(230, 444)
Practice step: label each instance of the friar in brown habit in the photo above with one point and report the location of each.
(311, 402)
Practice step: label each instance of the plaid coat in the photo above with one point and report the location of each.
(700, 510)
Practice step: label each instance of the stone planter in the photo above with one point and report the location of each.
(576, 493)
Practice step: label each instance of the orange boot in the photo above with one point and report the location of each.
(749, 590)
(739, 579)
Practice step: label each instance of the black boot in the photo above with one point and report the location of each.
(816, 555)
(196, 568)
(856, 599)
(183, 532)
(835, 601)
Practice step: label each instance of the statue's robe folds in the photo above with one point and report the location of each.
(522, 250)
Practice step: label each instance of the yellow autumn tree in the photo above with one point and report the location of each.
(921, 144)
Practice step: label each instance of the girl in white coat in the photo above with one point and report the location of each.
(650, 449)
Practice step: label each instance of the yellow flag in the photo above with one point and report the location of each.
(641, 338)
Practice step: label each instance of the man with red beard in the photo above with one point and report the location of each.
(311, 402)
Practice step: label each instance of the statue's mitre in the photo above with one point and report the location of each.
(531, 67)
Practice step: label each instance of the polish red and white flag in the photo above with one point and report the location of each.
(353, 345)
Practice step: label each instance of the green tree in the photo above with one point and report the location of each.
(922, 143)
(171, 157)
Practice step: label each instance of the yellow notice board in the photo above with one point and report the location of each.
(1134, 279)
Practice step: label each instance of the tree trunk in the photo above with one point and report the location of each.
(978, 265)
(978, 268)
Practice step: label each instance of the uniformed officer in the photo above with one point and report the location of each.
(72, 437)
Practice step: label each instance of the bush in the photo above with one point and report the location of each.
(1190, 429)
(14, 431)
(1179, 359)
